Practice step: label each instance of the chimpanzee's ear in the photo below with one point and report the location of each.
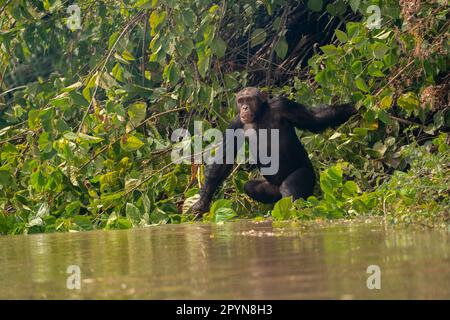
(263, 96)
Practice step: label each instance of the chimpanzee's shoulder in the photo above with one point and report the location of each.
(277, 103)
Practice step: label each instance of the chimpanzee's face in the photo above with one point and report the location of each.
(249, 103)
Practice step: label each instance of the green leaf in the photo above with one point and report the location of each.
(335, 173)
(276, 26)
(357, 67)
(408, 101)
(219, 46)
(335, 135)
(108, 179)
(258, 36)
(130, 143)
(133, 214)
(220, 204)
(379, 50)
(113, 39)
(282, 209)
(375, 69)
(143, 4)
(350, 189)
(354, 4)
(341, 35)
(73, 87)
(158, 216)
(62, 126)
(35, 222)
(109, 197)
(361, 84)
(341, 7)
(33, 119)
(383, 35)
(386, 102)
(189, 17)
(185, 47)
(123, 223)
(83, 222)
(5, 178)
(170, 183)
(224, 214)
(47, 115)
(315, 5)
(45, 143)
(73, 208)
(106, 81)
(156, 19)
(203, 65)
(88, 139)
(330, 180)
(128, 56)
(189, 202)
(117, 72)
(353, 29)
(281, 48)
(37, 180)
(171, 72)
(137, 112)
(380, 148)
(332, 9)
(213, 9)
(329, 50)
(43, 210)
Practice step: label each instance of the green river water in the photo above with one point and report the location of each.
(235, 260)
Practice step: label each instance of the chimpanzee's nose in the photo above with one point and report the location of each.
(245, 107)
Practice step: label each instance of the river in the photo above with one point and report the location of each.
(235, 260)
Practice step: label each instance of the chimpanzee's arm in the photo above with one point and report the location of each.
(217, 173)
(316, 119)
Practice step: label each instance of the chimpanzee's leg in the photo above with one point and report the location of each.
(299, 184)
(263, 191)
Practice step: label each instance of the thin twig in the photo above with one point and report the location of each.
(12, 89)
(395, 77)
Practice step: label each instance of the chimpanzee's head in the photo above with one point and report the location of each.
(249, 103)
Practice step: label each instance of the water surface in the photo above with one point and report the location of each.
(236, 260)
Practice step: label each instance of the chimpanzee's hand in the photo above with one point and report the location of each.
(201, 207)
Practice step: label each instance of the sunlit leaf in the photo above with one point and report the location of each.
(342, 36)
(282, 209)
(361, 85)
(133, 214)
(131, 143)
(137, 112)
(88, 139)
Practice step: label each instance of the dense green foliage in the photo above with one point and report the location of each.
(86, 115)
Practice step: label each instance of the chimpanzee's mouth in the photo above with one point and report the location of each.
(246, 118)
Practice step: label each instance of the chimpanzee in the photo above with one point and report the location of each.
(295, 175)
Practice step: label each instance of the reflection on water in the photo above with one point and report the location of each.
(238, 260)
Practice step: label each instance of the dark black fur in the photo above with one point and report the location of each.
(295, 176)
